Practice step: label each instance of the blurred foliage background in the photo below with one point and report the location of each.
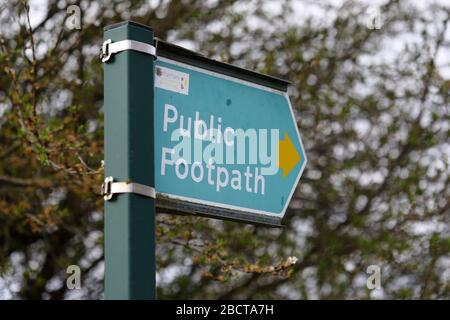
(372, 101)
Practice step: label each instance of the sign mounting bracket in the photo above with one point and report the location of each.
(109, 48)
(109, 188)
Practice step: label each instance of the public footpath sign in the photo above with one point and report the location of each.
(186, 134)
(227, 143)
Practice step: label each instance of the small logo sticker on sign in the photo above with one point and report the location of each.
(172, 80)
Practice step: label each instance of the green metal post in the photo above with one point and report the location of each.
(129, 149)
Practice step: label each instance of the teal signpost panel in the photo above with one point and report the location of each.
(225, 147)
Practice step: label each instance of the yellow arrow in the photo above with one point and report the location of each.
(288, 156)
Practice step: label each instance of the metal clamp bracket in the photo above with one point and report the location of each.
(109, 48)
(109, 188)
